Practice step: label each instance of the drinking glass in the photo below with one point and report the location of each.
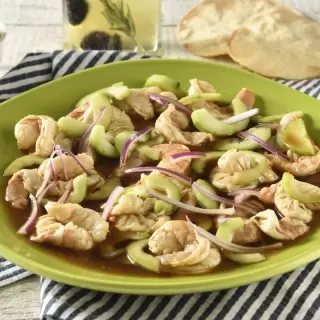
(131, 25)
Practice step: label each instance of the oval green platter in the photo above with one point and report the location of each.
(59, 96)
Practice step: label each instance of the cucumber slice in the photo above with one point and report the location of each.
(165, 84)
(226, 231)
(200, 97)
(198, 165)
(249, 176)
(22, 163)
(202, 221)
(136, 253)
(71, 127)
(204, 121)
(118, 91)
(267, 119)
(98, 101)
(104, 192)
(164, 185)
(121, 139)
(298, 190)
(79, 189)
(228, 227)
(99, 142)
(247, 144)
(273, 118)
(296, 138)
(245, 258)
(204, 200)
(153, 154)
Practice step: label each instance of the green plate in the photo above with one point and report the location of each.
(59, 96)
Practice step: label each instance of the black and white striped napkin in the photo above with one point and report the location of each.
(292, 296)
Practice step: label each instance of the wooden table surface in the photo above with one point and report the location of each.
(36, 25)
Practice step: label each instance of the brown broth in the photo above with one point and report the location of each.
(94, 261)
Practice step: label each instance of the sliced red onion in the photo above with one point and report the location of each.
(110, 202)
(263, 144)
(215, 197)
(241, 116)
(45, 182)
(166, 101)
(58, 147)
(83, 143)
(228, 211)
(187, 155)
(44, 192)
(65, 195)
(130, 141)
(26, 228)
(169, 172)
(229, 246)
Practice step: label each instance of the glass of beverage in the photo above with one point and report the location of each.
(131, 25)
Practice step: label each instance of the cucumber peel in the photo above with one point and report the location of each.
(22, 163)
(204, 121)
(135, 251)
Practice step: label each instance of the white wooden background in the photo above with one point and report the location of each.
(36, 25)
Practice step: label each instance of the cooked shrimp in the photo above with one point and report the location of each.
(177, 244)
(38, 132)
(283, 229)
(206, 265)
(67, 163)
(20, 185)
(247, 97)
(166, 151)
(68, 236)
(84, 218)
(300, 166)
(171, 124)
(83, 112)
(199, 87)
(250, 233)
(132, 204)
(139, 222)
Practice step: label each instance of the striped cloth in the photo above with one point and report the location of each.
(292, 296)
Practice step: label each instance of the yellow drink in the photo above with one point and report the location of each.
(112, 24)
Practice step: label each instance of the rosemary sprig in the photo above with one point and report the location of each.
(119, 17)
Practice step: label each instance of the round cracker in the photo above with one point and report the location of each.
(206, 29)
(281, 44)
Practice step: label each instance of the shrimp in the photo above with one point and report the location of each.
(283, 229)
(38, 132)
(139, 222)
(199, 87)
(300, 167)
(132, 204)
(209, 263)
(67, 163)
(84, 218)
(171, 124)
(177, 244)
(83, 112)
(166, 151)
(247, 97)
(68, 236)
(20, 185)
